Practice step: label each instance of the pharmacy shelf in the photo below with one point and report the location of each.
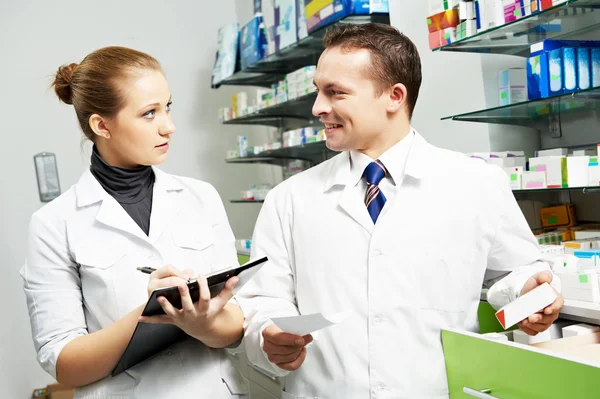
(532, 113)
(569, 20)
(312, 152)
(290, 115)
(585, 312)
(585, 190)
(306, 51)
(246, 201)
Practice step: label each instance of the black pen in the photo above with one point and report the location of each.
(147, 270)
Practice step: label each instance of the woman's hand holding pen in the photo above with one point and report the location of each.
(167, 276)
(196, 319)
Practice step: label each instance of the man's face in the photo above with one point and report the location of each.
(347, 102)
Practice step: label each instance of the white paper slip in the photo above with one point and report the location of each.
(306, 324)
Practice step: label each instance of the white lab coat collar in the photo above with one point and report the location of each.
(417, 164)
(89, 191)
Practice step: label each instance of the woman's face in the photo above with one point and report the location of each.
(140, 132)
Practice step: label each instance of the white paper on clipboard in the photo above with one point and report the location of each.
(47, 176)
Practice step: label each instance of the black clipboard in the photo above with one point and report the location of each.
(150, 339)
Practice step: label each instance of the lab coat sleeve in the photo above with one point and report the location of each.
(53, 292)
(514, 255)
(271, 292)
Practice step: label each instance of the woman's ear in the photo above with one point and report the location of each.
(98, 126)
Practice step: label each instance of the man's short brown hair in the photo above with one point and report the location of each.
(394, 56)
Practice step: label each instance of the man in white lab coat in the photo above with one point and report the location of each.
(399, 232)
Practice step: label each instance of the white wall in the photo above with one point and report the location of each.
(452, 84)
(38, 36)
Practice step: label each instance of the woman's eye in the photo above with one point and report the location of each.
(149, 114)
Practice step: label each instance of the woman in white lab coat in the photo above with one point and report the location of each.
(84, 292)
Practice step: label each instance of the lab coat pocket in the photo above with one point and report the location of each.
(101, 256)
(193, 236)
(194, 244)
(231, 376)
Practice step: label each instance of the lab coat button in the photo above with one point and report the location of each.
(377, 320)
(378, 252)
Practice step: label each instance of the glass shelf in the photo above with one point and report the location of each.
(246, 201)
(306, 51)
(585, 190)
(311, 152)
(568, 20)
(294, 113)
(530, 113)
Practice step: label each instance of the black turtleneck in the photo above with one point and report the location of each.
(131, 187)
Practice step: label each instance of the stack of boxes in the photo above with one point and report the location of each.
(295, 84)
(552, 168)
(442, 27)
(561, 66)
(479, 15)
(320, 13)
(468, 20)
(300, 82)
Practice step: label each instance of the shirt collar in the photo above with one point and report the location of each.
(394, 160)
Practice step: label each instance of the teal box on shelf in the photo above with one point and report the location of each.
(253, 42)
(538, 77)
(320, 13)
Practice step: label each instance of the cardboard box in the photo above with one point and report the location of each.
(555, 168)
(558, 216)
(512, 86)
(443, 20)
(515, 175)
(442, 38)
(579, 329)
(554, 332)
(578, 171)
(585, 346)
(579, 245)
(595, 67)
(553, 152)
(526, 305)
(286, 31)
(538, 77)
(579, 285)
(534, 180)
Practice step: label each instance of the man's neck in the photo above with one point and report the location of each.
(387, 140)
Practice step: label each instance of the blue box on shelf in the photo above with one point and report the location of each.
(320, 13)
(253, 42)
(538, 77)
(545, 46)
(595, 66)
(556, 71)
(569, 70)
(584, 76)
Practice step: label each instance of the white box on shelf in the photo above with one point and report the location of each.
(534, 180)
(578, 171)
(578, 285)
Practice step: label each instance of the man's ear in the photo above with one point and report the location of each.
(397, 98)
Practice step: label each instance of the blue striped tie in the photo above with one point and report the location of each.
(374, 200)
